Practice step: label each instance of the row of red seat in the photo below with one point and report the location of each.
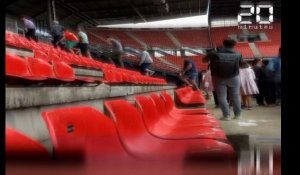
(155, 129)
(187, 96)
(47, 56)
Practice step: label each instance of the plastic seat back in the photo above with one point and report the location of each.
(76, 130)
(40, 68)
(168, 100)
(63, 71)
(18, 145)
(16, 66)
(159, 103)
(127, 118)
(42, 55)
(148, 110)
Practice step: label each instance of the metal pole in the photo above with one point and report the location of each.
(49, 14)
(54, 10)
(209, 23)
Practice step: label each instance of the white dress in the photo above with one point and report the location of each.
(248, 85)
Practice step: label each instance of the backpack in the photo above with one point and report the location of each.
(226, 64)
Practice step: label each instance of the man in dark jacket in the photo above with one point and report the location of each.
(225, 72)
(57, 32)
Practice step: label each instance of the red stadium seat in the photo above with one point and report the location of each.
(63, 71)
(140, 142)
(82, 131)
(16, 66)
(163, 110)
(18, 145)
(40, 54)
(187, 96)
(40, 68)
(171, 108)
(184, 120)
(162, 126)
(10, 39)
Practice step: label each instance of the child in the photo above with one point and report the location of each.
(248, 85)
(207, 83)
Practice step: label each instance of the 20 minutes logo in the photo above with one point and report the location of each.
(252, 14)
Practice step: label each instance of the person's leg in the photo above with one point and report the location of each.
(278, 92)
(273, 92)
(222, 97)
(249, 101)
(234, 90)
(143, 69)
(33, 35)
(259, 97)
(27, 34)
(244, 102)
(215, 98)
(119, 60)
(87, 51)
(184, 79)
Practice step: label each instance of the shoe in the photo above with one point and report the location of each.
(237, 117)
(151, 73)
(249, 107)
(225, 118)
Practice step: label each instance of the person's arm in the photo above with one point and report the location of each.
(187, 68)
(63, 38)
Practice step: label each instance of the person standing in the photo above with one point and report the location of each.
(57, 32)
(189, 73)
(225, 72)
(117, 50)
(83, 43)
(145, 63)
(277, 75)
(29, 28)
(248, 85)
(207, 83)
(257, 71)
(268, 81)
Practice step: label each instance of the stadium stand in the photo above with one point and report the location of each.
(219, 33)
(160, 39)
(192, 38)
(61, 105)
(61, 62)
(245, 50)
(126, 40)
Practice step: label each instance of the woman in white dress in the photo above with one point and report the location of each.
(248, 85)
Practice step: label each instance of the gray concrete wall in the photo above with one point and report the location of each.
(31, 96)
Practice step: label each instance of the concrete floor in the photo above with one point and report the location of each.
(257, 134)
(260, 121)
(259, 126)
